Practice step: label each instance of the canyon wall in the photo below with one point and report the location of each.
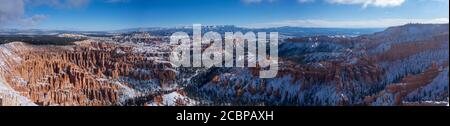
(88, 73)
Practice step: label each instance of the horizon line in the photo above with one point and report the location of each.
(190, 26)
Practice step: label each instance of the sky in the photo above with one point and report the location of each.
(103, 15)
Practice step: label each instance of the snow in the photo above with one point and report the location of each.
(156, 49)
(10, 97)
(8, 55)
(171, 98)
(119, 51)
(126, 92)
(3, 86)
(436, 102)
(3, 54)
(315, 45)
(20, 80)
(437, 90)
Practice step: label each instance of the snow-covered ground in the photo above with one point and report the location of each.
(10, 97)
(126, 92)
(3, 85)
(8, 56)
(171, 98)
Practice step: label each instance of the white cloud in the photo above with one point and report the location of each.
(117, 1)
(366, 3)
(363, 3)
(443, 1)
(33, 20)
(59, 3)
(257, 1)
(305, 1)
(251, 1)
(380, 23)
(11, 10)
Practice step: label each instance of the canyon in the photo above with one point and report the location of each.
(403, 65)
(88, 73)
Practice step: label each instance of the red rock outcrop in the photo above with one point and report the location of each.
(84, 74)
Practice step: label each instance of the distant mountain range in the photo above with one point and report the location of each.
(165, 31)
(286, 31)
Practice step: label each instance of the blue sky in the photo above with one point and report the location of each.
(120, 14)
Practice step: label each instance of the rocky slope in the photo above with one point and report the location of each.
(89, 73)
(393, 67)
